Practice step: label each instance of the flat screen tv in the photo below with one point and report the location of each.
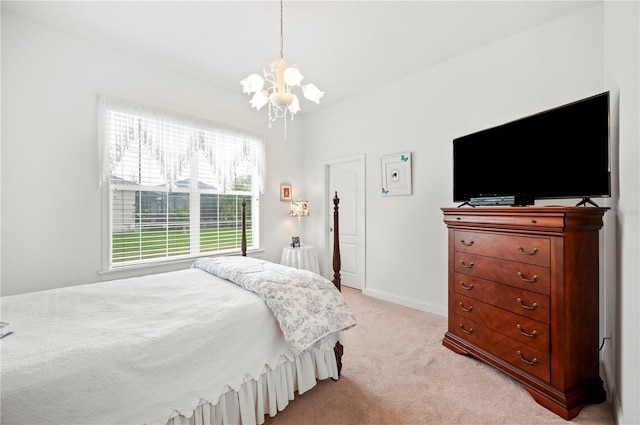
(559, 153)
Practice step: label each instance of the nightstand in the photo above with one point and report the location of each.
(304, 257)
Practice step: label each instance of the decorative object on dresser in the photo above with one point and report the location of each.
(523, 297)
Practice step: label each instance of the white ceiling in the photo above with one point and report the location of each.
(344, 47)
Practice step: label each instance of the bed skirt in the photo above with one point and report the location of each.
(269, 394)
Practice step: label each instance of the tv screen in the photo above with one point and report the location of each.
(559, 153)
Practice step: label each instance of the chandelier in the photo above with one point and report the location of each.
(279, 82)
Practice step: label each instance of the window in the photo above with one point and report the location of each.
(175, 184)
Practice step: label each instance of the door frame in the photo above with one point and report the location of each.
(328, 243)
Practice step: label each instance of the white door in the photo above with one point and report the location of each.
(347, 178)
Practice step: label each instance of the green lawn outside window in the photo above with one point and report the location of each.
(148, 244)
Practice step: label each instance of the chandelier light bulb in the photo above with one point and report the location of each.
(312, 92)
(259, 99)
(253, 83)
(292, 76)
(294, 106)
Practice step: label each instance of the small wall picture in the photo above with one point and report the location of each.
(285, 192)
(396, 174)
(295, 242)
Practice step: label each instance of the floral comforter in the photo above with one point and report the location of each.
(307, 306)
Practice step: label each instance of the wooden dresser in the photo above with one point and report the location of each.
(523, 297)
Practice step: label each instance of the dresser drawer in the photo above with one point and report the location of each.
(531, 250)
(515, 326)
(530, 304)
(545, 219)
(524, 357)
(521, 275)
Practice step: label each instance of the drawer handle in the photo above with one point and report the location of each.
(531, 335)
(533, 306)
(468, 288)
(533, 279)
(465, 265)
(470, 331)
(468, 310)
(531, 362)
(466, 243)
(533, 251)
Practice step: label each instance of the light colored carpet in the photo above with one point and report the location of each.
(397, 372)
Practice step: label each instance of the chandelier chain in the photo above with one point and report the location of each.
(281, 30)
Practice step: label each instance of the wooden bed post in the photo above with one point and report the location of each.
(244, 228)
(336, 244)
(338, 349)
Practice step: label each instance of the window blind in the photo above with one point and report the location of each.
(176, 183)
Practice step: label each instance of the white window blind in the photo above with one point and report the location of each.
(176, 183)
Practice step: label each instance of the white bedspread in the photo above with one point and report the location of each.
(127, 351)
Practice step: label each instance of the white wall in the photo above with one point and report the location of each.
(547, 66)
(622, 291)
(51, 200)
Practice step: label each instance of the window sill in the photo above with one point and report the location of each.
(162, 267)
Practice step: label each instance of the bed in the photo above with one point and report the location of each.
(227, 341)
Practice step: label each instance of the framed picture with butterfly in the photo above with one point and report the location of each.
(396, 174)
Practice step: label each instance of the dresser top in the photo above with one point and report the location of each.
(541, 218)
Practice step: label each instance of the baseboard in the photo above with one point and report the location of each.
(440, 310)
(612, 394)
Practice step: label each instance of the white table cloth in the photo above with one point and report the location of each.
(304, 258)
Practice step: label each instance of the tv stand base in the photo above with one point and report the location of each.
(586, 201)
